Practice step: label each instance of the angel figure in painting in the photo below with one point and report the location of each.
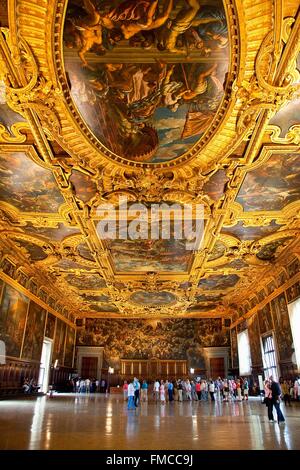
(87, 33)
(185, 19)
(153, 18)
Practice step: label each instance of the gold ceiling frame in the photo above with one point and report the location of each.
(35, 25)
(258, 218)
(34, 298)
(257, 113)
(279, 290)
(76, 138)
(272, 273)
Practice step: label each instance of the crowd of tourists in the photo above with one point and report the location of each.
(163, 391)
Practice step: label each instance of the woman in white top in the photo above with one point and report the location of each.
(162, 392)
(130, 392)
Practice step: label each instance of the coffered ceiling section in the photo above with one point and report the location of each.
(113, 111)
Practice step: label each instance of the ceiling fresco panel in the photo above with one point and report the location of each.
(273, 185)
(8, 117)
(153, 75)
(53, 233)
(86, 282)
(150, 255)
(26, 185)
(243, 232)
(219, 282)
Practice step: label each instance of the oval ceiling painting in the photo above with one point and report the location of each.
(147, 76)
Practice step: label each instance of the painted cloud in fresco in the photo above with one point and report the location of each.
(26, 185)
(272, 185)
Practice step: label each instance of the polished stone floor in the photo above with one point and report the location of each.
(100, 422)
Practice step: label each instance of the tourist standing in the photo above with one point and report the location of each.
(276, 392)
(137, 387)
(162, 392)
(246, 389)
(180, 390)
(156, 389)
(211, 389)
(268, 400)
(131, 397)
(170, 391)
(125, 390)
(198, 390)
(144, 391)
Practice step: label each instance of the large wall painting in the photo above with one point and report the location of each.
(147, 76)
(254, 339)
(50, 326)
(282, 328)
(164, 339)
(265, 319)
(34, 332)
(69, 349)
(13, 311)
(234, 349)
(59, 342)
(293, 292)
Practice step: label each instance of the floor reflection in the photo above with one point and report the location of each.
(98, 422)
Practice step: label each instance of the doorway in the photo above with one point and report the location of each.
(45, 366)
(217, 367)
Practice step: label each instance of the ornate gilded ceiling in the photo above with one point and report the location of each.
(185, 102)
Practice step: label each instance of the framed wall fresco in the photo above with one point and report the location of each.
(32, 286)
(261, 295)
(271, 287)
(254, 339)
(293, 292)
(22, 278)
(13, 312)
(242, 326)
(50, 326)
(234, 349)
(282, 328)
(265, 319)
(294, 267)
(282, 278)
(43, 295)
(59, 342)
(34, 332)
(8, 267)
(164, 339)
(69, 348)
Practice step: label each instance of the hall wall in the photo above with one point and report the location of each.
(267, 312)
(146, 339)
(23, 325)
